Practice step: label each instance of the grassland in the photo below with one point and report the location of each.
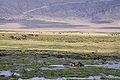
(21, 50)
(73, 42)
(79, 44)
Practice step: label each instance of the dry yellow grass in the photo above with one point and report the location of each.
(63, 41)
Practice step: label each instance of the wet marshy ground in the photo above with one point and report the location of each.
(38, 67)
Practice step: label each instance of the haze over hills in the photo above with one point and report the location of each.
(61, 13)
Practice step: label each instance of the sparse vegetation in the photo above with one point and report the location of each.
(19, 51)
(79, 42)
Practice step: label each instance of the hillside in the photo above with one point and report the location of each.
(78, 12)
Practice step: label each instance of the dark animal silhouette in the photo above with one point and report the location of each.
(78, 64)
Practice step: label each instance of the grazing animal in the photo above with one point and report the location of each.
(79, 64)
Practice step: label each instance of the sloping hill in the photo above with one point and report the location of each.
(63, 11)
(93, 9)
